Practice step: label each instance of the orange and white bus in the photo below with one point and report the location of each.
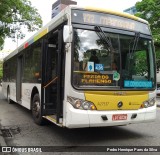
(88, 67)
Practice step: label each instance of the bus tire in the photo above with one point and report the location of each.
(8, 96)
(36, 110)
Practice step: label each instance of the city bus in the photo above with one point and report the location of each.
(88, 67)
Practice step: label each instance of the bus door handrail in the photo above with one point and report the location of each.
(53, 80)
(50, 82)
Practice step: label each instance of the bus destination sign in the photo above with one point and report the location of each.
(97, 79)
(108, 20)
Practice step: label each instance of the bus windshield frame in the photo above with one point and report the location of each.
(124, 69)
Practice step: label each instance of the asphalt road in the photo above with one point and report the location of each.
(20, 130)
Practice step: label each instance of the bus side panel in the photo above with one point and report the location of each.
(12, 89)
(26, 93)
(4, 88)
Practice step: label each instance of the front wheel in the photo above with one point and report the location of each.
(36, 110)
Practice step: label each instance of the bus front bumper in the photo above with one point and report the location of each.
(76, 118)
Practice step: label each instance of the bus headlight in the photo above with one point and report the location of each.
(149, 103)
(81, 104)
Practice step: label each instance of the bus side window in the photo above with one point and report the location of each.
(36, 69)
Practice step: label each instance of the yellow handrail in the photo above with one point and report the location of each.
(50, 82)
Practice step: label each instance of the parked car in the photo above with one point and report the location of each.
(158, 91)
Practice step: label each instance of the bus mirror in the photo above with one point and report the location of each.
(67, 34)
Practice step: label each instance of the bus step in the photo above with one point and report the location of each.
(52, 118)
(49, 111)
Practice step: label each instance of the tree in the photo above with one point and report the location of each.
(150, 10)
(19, 13)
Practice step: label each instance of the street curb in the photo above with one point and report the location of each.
(2, 141)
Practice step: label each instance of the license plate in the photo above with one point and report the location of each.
(118, 117)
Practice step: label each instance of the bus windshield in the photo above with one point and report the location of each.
(110, 60)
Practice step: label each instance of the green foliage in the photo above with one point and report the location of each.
(19, 12)
(140, 65)
(150, 10)
(158, 57)
(77, 45)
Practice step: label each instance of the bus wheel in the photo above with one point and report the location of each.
(36, 110)
(8, 96)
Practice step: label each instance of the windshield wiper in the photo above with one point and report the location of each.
(135, 42)
(131, 52)
(104, 37)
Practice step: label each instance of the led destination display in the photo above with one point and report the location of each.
(108, 20)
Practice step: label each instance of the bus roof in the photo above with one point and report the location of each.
(60, 18)
(122, 14)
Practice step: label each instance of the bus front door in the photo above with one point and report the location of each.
(50, 86)
(53, 89)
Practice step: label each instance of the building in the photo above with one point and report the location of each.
(59, 5)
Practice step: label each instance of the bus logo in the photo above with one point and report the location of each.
(120, 104)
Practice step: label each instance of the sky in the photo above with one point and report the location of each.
(45, 6)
